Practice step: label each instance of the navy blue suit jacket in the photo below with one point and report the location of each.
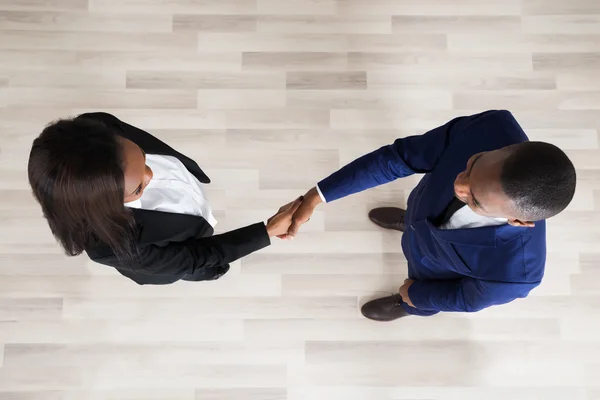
(458, 269)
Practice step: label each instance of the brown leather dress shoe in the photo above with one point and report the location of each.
(384, 309)
(388, 218)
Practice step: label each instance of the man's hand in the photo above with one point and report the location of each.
(304, 212)
(279, 223)
(404, 292)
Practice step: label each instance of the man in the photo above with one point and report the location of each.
(474, 230)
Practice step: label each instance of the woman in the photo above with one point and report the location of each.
(132, 202)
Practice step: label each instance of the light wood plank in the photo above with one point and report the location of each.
(509, 43)
(54, 288)
(409, 61)
(318, 42)
(361, 99)
(206, 80)
(123, 394)
(523, 100)
(98, 41)
(294, 61)
(300, 7)
(236, 99)
(122, 378)
(451, 25)
(30, 308)
(461, 80)
(214, 23)
(567, 138)
(306, 139)
(381, 119)
(91, 60)
(325, 24)
(570, 24)
(304, 264)
(103, 98)
(65, 79)
(84, 21)
(171, 330)
(143, 356)
(214, 7)
(431, 7)
(541, 7)
(565, 62)
(579, 81)
(226, 308)
(326, 80)
(43, 5)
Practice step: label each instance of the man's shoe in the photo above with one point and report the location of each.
(388, 218)
(384, 309)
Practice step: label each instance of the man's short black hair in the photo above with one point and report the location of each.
(540, 180)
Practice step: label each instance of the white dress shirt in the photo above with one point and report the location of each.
(464, 218)
(173, 189)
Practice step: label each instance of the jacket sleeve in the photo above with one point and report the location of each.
(406, 156)
(177, 259)
(465, 295)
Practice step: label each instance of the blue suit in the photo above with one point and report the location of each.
(459, 269)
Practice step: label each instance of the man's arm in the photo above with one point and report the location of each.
(406, 156)
(464, 295)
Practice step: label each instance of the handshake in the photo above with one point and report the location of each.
(286, 223)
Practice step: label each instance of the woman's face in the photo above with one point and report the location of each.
(137, 174)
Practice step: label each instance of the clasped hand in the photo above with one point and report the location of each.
(286, 223)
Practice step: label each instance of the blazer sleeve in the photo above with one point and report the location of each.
(465, 295)
(406, 156)
(177, 259)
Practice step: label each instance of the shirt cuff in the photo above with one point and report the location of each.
(321, 194)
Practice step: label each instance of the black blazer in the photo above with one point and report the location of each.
(175, 246)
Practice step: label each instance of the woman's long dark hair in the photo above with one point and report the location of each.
(76, 173)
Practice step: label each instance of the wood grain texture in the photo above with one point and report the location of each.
(270, 96)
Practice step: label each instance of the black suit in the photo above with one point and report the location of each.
(175, 246)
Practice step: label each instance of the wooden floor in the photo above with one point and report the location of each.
(269, 96)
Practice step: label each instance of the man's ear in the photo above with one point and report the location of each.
(524, 224)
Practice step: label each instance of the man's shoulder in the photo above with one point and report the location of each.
(493, 120)
(490, 116)
(490, 130)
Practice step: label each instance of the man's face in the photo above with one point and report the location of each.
(479, 186)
